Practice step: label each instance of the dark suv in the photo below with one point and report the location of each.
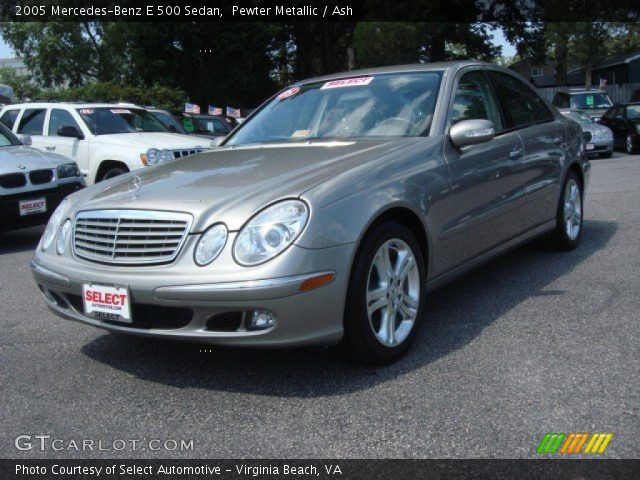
(592, 101)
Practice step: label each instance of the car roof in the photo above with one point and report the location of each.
(73, 105)
(412, 67)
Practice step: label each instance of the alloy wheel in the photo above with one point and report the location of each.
(393, 292)
(572, 209)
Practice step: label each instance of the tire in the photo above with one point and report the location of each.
(630, 145)
(605, 155)
(365, 339)
(566, 237)
(112, 172)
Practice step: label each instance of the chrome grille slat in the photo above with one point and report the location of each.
(130, 237)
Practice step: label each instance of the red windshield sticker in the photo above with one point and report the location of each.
(347, 82)
(86, 111)
(290, 92)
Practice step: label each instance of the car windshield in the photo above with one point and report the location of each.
(8, 139)
(633, 112)
(579, 117)
(110, 120)
(398, 105)
(201, 124)
(590, 101)
(168, 121)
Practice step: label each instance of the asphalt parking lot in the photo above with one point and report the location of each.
(533, 342)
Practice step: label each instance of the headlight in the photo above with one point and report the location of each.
(155, 156)
(63, 237)
(52, 226)
(270, 232)
(210, 245)
(68, 170)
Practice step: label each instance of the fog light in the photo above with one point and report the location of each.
(260, 320)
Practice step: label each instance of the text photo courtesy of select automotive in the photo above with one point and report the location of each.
(416, 253)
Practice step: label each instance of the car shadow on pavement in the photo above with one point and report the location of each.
(457, 314)
(20, 240)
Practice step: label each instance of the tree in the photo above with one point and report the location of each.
(588, 44)
(69, 53)
(23, 89)
(381, 43)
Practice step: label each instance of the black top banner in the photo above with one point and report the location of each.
(313, 10)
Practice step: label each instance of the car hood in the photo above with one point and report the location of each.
(596, 112)
(595, 128)
(20, 158)
(159, 140)
(230, 184)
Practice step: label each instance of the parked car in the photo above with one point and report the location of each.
(211, 126)
(32, 183)
(326, 217)
(624, 122)
(168, 119)
(590, 100)
(598, 138)
(105, 140)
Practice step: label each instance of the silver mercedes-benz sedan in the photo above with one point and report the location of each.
(327, 217)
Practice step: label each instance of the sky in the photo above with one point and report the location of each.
(508, 50)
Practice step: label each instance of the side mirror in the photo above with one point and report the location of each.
(26, 139)
(471, 132)
(70, 131)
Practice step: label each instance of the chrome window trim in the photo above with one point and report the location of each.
(134, 215)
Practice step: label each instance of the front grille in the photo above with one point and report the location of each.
(38, 177)
(184, 153)
(145, 316)
(13, 180)
(130, 237)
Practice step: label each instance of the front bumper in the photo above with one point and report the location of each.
(600, 146)
(10, 218)
(171, 304)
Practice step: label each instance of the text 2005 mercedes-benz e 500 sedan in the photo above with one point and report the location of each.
(326, 217)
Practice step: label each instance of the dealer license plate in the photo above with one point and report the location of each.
(107, 302)
(31, 207)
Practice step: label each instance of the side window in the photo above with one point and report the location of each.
(621, 113)
(60, 118)
(218, 127)
(9, 118)
(610, 113)
(474, 99)
(32, 121)
(522, 104)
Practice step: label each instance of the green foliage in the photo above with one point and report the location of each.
(156, 95)
(392, 43)
(70, 53)
(387, 43)
(23, 89)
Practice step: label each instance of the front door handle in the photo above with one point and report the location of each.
(516, 153)
(50, 147)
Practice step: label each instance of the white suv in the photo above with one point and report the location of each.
(104, 139)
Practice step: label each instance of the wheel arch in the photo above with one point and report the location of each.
(106, 164)
(410, 219)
